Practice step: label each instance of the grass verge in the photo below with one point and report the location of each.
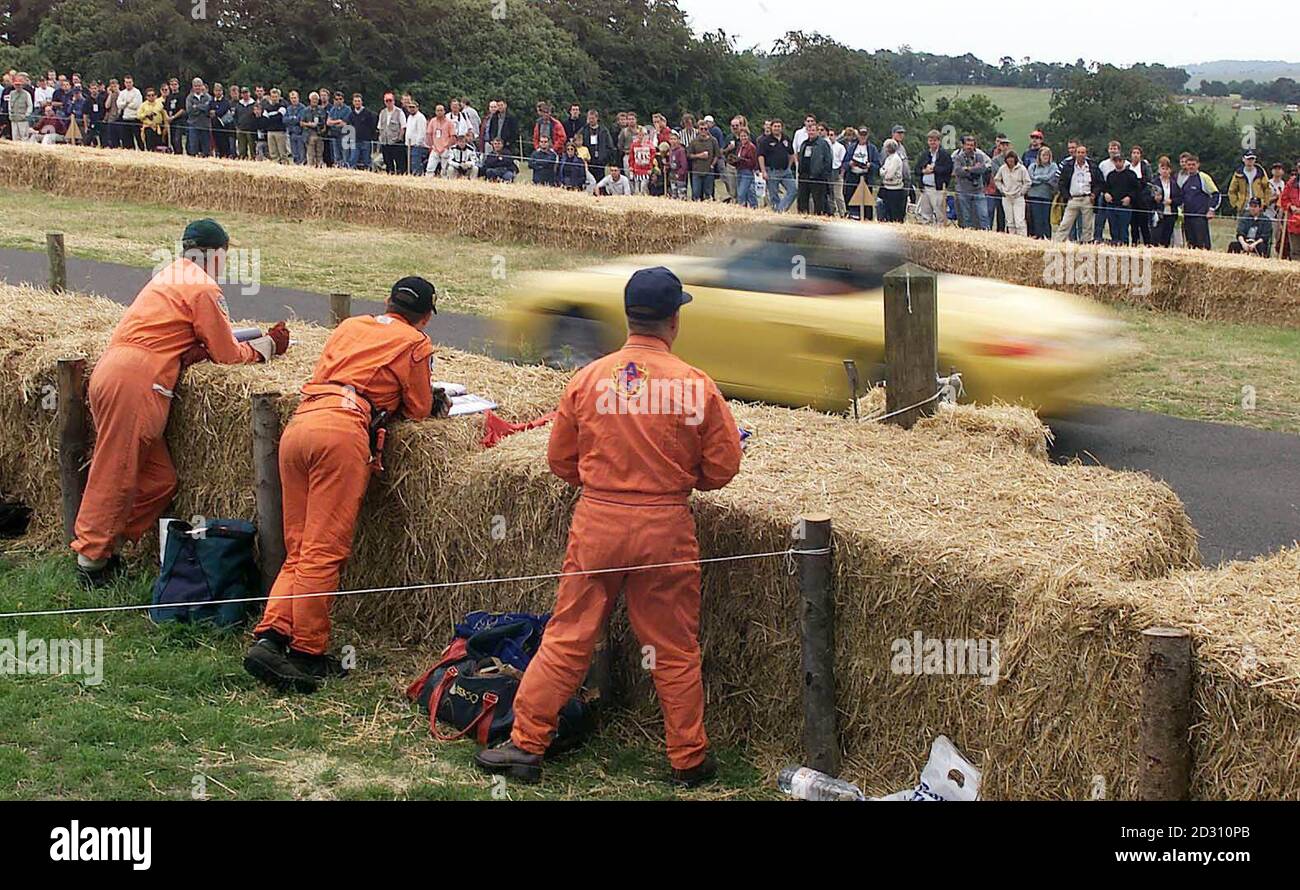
(176, 717)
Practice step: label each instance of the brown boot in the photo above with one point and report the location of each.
(696, 775)
(511, 762)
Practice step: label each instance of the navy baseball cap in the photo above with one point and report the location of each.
(654, 294)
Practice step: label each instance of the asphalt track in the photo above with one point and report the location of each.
(1241, 486)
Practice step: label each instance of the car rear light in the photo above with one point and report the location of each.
(1010, 348)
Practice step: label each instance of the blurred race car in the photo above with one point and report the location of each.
(777, 313)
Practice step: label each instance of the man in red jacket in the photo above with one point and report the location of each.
(1289, 203)
(549, 127)
(637, 430)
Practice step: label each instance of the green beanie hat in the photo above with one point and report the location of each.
(205, 234)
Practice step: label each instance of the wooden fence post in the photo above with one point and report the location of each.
(267, 491)
(1166, 765)
(817, 635)
(55, 250)
(340, 308)
(911, 343)
(72, 420)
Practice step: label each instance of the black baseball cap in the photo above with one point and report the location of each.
(654, 294)
(1255, 202)
(414, 294)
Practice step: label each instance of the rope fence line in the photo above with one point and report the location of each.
(789, 553)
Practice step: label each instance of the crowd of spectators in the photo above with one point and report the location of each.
(1122, 198)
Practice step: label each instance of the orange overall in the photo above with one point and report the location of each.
(131, 474)
(638, 430)
(380, 361)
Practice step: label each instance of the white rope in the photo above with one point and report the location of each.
(878, 417)
(475, 582)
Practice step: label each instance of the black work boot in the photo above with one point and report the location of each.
(320, 667)
(511, 762)
(99, 577)
(696, 775)
(268, 661)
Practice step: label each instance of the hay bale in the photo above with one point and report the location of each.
(933, 533)
(991, 428)
(1199, 283)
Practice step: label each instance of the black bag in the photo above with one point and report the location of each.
(473, 689)
(215, 562)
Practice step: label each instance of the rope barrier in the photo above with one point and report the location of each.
(789, 553)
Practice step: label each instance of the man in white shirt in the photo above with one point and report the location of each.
(614, 183)
(474, 118)
(801, 135)
(128, 105)
(417, 145)
(462, 159)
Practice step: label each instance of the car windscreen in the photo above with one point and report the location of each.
(812, 260)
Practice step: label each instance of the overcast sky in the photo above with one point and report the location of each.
(1192, 30)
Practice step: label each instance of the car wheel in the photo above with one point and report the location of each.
(574, 342)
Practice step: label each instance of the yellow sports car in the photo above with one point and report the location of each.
(776, 314)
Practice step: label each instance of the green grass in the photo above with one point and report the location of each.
(313, 255)
(1023, 109)
(1186, 368)
(175, 712)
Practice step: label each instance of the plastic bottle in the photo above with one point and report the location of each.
(806, 783)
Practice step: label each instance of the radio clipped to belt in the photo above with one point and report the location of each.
(378, 438)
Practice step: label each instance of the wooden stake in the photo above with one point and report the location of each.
(340, 308)
(267, 491)
(74, 433)
(817, 634)
(911, 343)
(1166, 765)
(54, 249)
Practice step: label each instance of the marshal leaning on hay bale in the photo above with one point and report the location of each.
(952, 536)
(1198, 283)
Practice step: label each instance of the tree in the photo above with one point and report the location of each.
(1113, 103)
(841, 85)
(975, 114)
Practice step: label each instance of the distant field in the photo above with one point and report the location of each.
(1023, 110)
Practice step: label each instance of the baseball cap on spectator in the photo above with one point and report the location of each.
(1249, 154)
(898, 128)
(708, 118)
(415, 294)
(1255, 202)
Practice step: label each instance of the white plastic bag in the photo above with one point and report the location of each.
(947, 775)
